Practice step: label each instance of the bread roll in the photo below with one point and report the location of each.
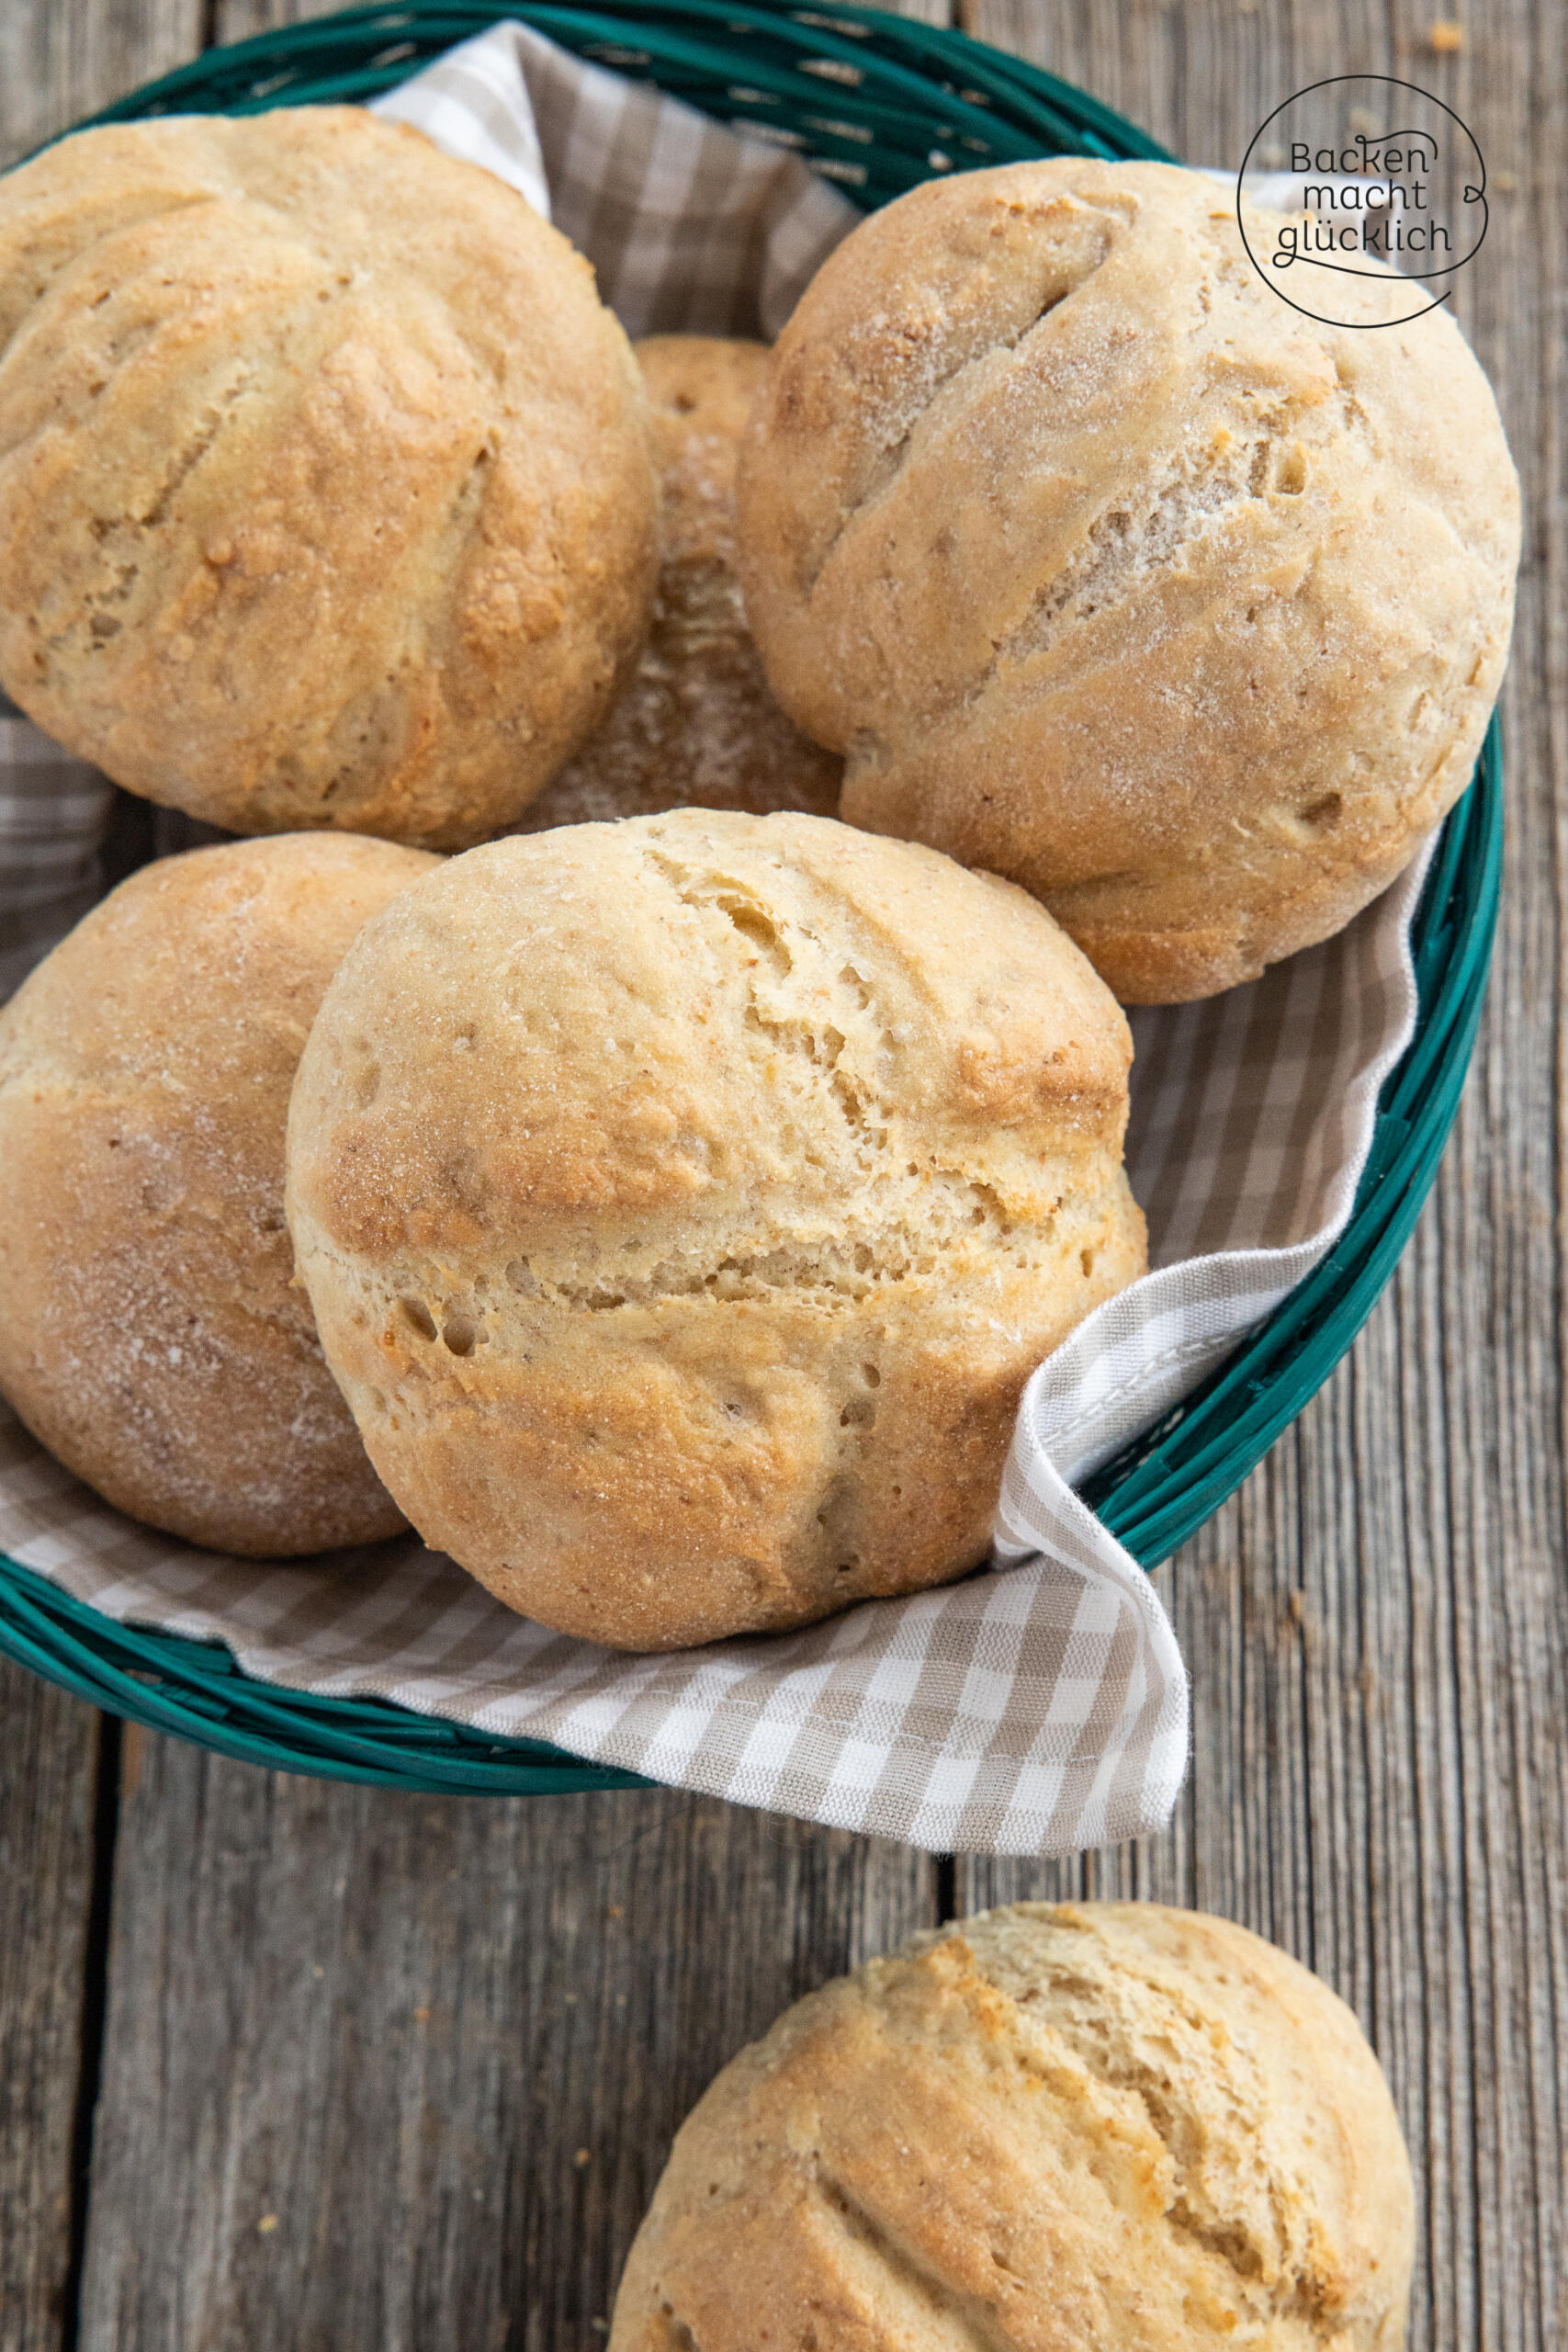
(1095, 2128)
(326, 496)
(685, 1202)
(1108, 570)
(152, 1335)
(696, 726)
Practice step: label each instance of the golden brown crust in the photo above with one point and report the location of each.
(1110, 571)
(325, 492)
(696, 726)
(684, 1202)
(153, 1337)
(1091, 2128)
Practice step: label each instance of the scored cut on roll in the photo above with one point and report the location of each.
(1100, 2127)
(1108, 570)
(684, 1202)
(153, 1337)
(695, 724)
(326, 495)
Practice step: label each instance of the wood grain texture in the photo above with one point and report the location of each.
(1377, 1627)
(62, 59)
(240, 19)
(401, 2072)
(1378, 1624)
(49, 1764)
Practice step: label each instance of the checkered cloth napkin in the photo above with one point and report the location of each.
(1038, 1706)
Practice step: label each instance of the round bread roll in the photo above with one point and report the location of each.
(153, 1337)
(685, 1202)
(1108, 570)
(326, 496)
(1105, 2127)
(696, 725)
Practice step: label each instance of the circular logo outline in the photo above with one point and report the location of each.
(1342, 269)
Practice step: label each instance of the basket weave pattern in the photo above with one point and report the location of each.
(876, 103)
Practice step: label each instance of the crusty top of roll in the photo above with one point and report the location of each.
(325, 491)
(1091, 2128)
(1108, 570)
(684, 1202)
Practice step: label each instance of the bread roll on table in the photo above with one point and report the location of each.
(1101, 2127)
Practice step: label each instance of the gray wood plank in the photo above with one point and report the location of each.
(1378, 1623)
(49, 1765)
(401, 2071)
(62, 59)
(240, 19)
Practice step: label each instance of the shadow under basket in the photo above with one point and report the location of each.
(907, 101)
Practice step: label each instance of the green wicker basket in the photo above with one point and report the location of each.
(878, 102)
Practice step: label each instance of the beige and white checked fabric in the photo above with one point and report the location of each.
(1026, 1712)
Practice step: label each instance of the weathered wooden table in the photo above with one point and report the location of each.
(289, 2064)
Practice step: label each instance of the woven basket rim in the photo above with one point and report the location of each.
(1162, 1487)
